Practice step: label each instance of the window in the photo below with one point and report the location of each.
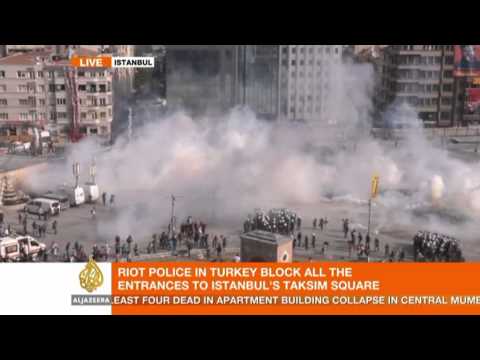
(3, 116)
(61, 115)
(23, 116)
(2, 74)
(53, 115)
(22, 88)
(103, 102)
(103, 88)
(3, 88)
(23, 102)
(83, 115)
(3, 102)
(51, 87)
(447, 87)
(40, 74)
(103, 115)
(21, 75)
(446, 101)
(81, 73)
(60, 74)
(51, 74)
(60, 87)
(445, 115)
(293, 62)
(41, 88)
(61, 101)
(82, 87)
(448, 74)
(449, 60)
(101, 74)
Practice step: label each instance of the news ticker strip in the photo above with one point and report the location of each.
(241, 289)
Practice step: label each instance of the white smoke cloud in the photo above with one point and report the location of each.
(224, 167)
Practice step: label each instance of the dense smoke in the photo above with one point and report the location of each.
(222, 168)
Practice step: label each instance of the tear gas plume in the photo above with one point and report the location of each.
(222, 168)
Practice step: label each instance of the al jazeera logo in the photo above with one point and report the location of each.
(91, 278)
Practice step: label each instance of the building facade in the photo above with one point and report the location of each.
(258, 84)
(38, 89)
(422, 76)
(305, 78)
(201, 78)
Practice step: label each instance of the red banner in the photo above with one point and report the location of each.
(472, 100)
(467, 60)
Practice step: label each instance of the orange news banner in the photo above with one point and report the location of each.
(408, 283)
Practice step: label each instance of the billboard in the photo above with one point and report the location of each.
(467, 60)
(472, 102)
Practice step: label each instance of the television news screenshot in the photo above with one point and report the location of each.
(239, 180)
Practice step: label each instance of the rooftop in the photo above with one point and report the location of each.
(266, 237)
(36, 57)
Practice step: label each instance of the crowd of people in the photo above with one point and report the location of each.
(432, 247)
(279, 221)
(192, 235)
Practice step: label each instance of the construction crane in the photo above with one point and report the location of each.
(71, 84)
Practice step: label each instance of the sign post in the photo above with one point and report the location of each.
(373, 195)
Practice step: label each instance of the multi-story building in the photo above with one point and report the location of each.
(258, 79)
(35, 91)
(422, 76)
(305, 78)
(274, 81)
(201, 78)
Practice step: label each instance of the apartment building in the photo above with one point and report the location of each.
(305, 78)
(35, 91)
(422, 76)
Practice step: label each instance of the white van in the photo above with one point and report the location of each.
(40, 206)
(76, 196)
(92, 193)
(11, 247)
(62, 199)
